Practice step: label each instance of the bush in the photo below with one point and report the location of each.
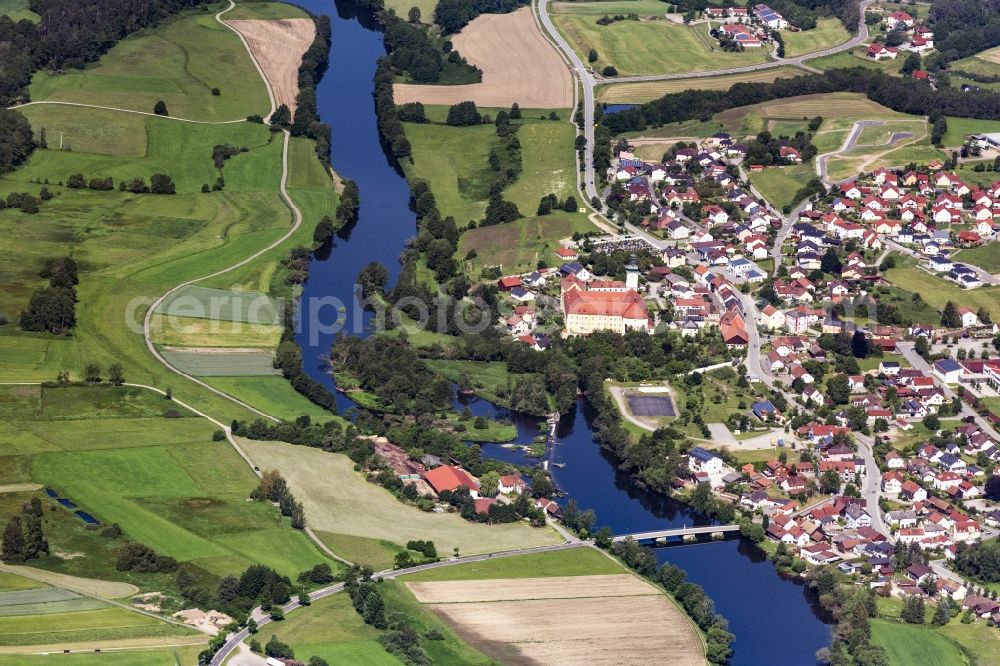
(609, 71)
(160, 108)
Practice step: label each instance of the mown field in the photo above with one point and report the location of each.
(179, 63)
(135, 656)
(91, 625)
(636, 93)
(119, 454)
(338, 500)
(651, 45)
(779, 184)
(828, 32)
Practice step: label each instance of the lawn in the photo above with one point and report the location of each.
(18, 10)
(828, 32)
(339, 500)
(779, 184)
(937, 291)
(985, 256)
(854, 58)
(179, 62)
(911, 644)
(637, 93)
(651, 46)
(574, 562)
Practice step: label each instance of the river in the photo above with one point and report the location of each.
(773, 619)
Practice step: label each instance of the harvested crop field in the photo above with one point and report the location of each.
(278, 45)
(518, 65)
(618, 619)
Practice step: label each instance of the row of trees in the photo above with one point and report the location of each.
(15, 132)
(311, 70)
(691, 596)
(891, 91)
(159, 183)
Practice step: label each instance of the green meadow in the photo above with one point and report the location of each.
(454, 160)
(179, 62)
(125, 459)
(652, 45)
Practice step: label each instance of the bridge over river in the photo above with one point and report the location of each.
(677, 532)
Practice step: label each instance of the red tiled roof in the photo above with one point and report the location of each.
(450, 478)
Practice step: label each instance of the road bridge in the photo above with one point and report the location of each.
(681, 532)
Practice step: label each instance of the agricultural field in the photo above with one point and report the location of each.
(161, 477)
(565, 619)
(339, 500)
(637, 93)
(562, 563)
(779, 184)
(131, 248)
(839, 111)
(517, 62)
(985, 63)
(650, 45)
(376, 553)
(179, 63)
(985, 256)
(828, 32)
(106, 624)
(127, 653)
(221, 362)
(176, 331)
(937, 291)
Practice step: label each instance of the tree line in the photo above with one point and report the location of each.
(23, 539)
(311, 70)
(15, 133)
(893, 92)
(453, 15)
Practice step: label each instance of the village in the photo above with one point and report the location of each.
(883, 445)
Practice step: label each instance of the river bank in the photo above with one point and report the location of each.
(746, 588)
